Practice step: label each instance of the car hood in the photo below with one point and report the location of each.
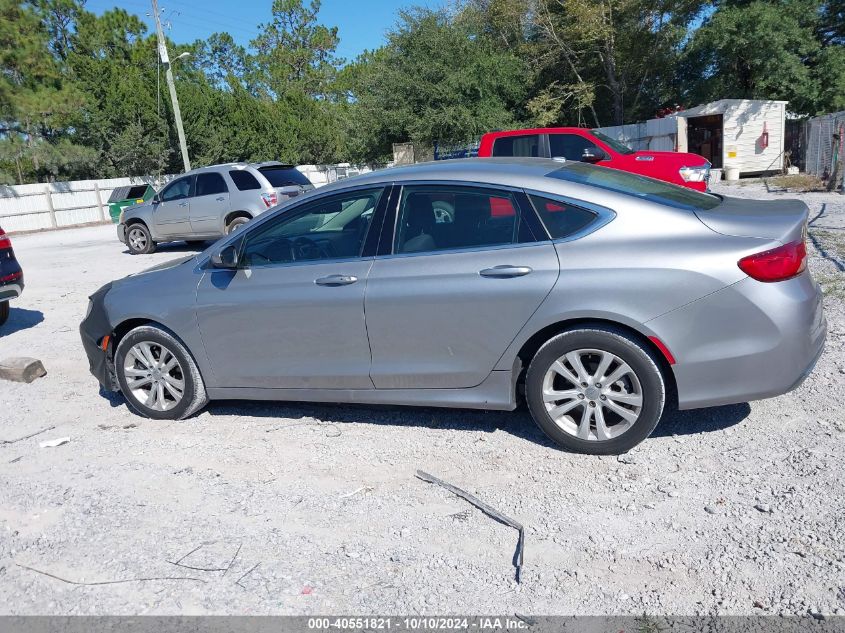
(173, 263)
(669, 159)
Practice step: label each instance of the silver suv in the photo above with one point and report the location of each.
(208, 203)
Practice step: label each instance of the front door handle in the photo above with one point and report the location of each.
(220, 198)
(505, 272)
(183, 204)
(336, 280)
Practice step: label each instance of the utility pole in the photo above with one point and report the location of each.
(168, 73)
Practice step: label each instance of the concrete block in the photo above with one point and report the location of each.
(21, 369)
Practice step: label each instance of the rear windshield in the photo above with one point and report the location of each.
(637, 186)
(284, 176)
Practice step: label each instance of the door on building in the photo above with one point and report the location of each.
(704, 137)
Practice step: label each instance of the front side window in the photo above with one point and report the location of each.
(524, 145)
(210, 183)
(329, 228)
(570, 146)
(177, 190)
(561, 219)
(434, 218)
(638, 186)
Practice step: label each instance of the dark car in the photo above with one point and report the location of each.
(11, 276)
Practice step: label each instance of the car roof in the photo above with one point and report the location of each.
(538, 130)
(508, 171)
(241, 165)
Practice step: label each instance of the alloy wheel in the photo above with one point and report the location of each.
(137, 239)
(154, 376)
(592, 394)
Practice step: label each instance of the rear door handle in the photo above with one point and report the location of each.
(336, 280)
(504, 272)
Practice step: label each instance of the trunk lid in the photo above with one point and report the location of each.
(782, 220)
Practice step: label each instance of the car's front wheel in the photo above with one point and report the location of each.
(139, 240)
(4, 312)
(595, 390)
(157, 375)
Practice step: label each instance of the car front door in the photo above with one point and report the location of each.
(291, 316)
(171, 215)
(464, 274)
(209, 204)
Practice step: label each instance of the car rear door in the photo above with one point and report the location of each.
(171, 215)
(461, 276)
(292, 315)
(210, 204)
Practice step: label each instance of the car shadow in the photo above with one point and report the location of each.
(177, 247)
(21, 319)
(694, 421)
(517, 423)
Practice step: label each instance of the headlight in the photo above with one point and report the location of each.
(695, 174)
(90, 307)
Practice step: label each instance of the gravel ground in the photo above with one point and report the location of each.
(307, 509)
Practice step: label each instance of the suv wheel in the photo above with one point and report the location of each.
(595, 390)
(236, 223)
(139, 240)
(4, 312)
(157, 375)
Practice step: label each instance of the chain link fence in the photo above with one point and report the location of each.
(824, 152)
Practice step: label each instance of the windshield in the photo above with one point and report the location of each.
(617, 146)
(284, 176)
(637, 186)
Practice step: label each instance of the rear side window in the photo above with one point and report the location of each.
(244, 180)
(434, 218)
(211, 183)
(525, 145)
(284, 176)
(561, 219)
(637, 186)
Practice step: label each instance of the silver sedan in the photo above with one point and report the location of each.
(598, 297)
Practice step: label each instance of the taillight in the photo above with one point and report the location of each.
(269, 199)
(783, 262)
(5, 242)
(700, 173)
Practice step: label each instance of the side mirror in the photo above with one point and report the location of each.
(593, 155)
(156, 199)
(226, 258)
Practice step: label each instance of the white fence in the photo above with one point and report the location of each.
(62, 204)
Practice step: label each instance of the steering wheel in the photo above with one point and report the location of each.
(305, 248)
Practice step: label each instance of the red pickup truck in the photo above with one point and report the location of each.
(591, 146)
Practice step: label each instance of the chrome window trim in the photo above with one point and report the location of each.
(604, 215)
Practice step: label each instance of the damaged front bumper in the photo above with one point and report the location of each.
(96, 333)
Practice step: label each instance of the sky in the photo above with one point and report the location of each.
(361, 23)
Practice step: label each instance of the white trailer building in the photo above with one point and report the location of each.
(744, 134)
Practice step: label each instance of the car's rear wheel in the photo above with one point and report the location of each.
(139, 240)
(4, 312)
(157, 375)
(235, 223)
(595, 390)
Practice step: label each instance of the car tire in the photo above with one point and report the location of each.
(144, 357)
(597, 419)
(236, 223)
(4, 312)
(139, 240)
